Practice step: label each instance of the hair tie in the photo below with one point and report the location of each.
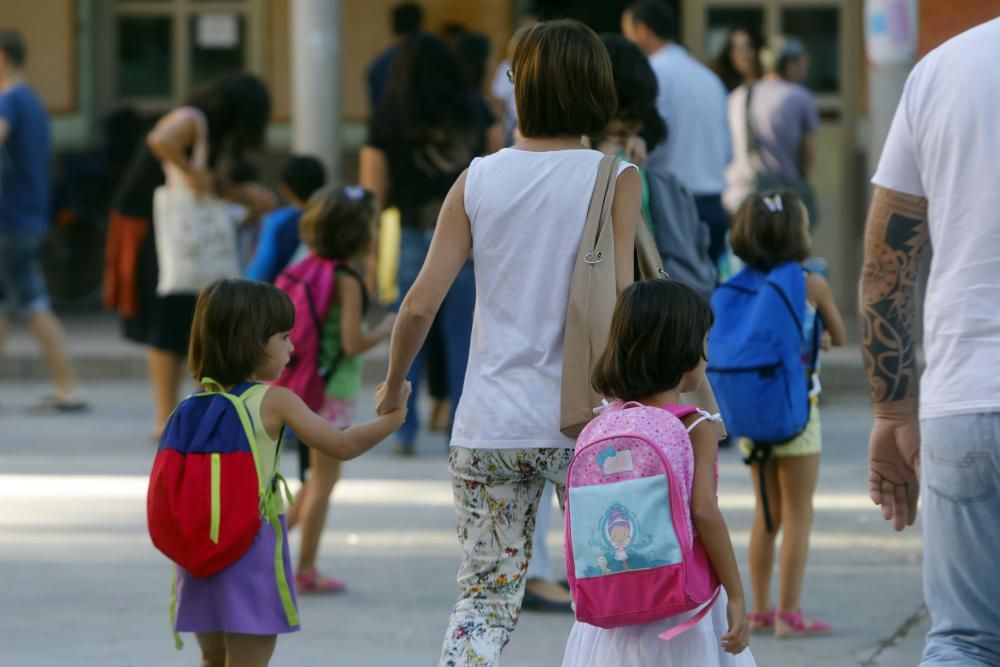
(773, 203)
(354, 192)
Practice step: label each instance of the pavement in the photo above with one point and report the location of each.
(82, 585)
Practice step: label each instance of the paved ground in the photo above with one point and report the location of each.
(83, 586)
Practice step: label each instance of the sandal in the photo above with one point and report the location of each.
(796, 625)
(761, 621)
(53, 403)
(311, 581)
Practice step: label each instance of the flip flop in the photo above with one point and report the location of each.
(796, 625)
(311, 581)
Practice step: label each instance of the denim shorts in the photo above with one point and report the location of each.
(22, 281)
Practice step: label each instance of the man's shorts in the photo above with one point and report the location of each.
(22, 281)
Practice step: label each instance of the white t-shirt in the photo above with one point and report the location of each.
(527, 211)
(944, 145)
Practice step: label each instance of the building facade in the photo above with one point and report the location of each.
(90, 57)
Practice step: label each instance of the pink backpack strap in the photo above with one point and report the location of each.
(681, 628)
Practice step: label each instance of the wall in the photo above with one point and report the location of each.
(365, 33)
(49, 29)
(940, 20)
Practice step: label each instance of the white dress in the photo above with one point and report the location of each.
(639, 645)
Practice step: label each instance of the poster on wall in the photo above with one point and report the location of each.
(890, 31)
(217, 31)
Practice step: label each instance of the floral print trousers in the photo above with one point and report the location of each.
(496, 496)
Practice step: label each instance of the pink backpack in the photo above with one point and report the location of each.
(631, 553)
(310, 285)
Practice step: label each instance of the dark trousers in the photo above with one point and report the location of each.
(710, 210)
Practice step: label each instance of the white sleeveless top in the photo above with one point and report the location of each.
(527, 211)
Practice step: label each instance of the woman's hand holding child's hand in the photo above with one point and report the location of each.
(392, 400)
(738, 637)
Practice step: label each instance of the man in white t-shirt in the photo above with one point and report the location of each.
(938, 183)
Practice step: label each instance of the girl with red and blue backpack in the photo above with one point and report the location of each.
(648, 554)
(331, 301)
(215, 504)
(772, 320)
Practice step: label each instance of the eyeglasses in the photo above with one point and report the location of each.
(510, 75)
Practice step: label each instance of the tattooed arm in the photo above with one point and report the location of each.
(895, 236)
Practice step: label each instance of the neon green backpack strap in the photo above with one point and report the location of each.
(178, 644)
(274, 518)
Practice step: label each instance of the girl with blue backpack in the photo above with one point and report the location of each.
(215, 504)
(772, 320)
(647, 548)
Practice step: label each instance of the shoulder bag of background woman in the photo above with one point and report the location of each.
(195, 236)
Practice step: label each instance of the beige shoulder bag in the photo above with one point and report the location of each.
(592, 298)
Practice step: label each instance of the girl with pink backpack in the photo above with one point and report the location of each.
(648, 555)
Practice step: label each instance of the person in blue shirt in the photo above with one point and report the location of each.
(25, 144)
(692, 101)
(301, 176)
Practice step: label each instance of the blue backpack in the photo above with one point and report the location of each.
(755, 349)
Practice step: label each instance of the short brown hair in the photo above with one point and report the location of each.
(563, 84)
(338, 222)
(769, 229)
(232, 323)
(657, 335)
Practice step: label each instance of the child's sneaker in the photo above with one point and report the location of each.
(788, 625)
(311, 581)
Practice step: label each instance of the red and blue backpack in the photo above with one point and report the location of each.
(207, 496)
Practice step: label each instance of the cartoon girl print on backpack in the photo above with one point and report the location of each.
(620, 545)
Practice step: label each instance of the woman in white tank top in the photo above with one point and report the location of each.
(520, 213)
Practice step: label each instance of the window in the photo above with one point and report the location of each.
(217, 45)
(819, 30)
(144, 55)
(165, 48)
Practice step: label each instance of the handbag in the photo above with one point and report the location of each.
(195, 236)
(592, 297)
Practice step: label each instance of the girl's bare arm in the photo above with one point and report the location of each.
(281, 407)
(818, 292)
(353, 339)
(705, 512)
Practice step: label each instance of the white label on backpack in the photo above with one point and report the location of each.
(620, 462)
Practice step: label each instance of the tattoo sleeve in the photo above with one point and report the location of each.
(895, 236)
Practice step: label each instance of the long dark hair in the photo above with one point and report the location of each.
(426, 95)
(723, 64)
(238, 109)
(636, 86)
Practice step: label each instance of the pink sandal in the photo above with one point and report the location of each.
(761, 621)
(795, 625)
(311, 581)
